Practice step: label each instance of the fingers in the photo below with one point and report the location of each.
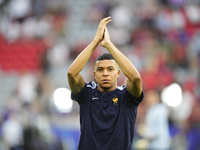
(101, 28)
(106, 20)
(106, 30)
(106, 33)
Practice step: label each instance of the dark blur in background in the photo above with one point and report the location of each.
(39, 39)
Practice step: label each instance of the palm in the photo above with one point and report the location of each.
(106, 38)
(103, 42)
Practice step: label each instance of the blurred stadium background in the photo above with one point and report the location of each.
(39, 39)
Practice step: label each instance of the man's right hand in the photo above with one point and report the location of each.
(101, 28)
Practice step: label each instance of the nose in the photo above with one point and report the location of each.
(105, 72)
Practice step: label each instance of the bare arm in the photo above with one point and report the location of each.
(134, 82)
(75, 79)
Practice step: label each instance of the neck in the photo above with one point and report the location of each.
(102, 89)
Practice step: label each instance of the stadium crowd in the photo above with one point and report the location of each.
(40, 38)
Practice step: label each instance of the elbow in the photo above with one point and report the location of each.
(136, 79)
(70, 73)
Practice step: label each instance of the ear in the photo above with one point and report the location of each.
(118, 73)
(94, 74)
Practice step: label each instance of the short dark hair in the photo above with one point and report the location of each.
(105, 56)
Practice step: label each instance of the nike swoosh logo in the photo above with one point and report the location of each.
(95, 98)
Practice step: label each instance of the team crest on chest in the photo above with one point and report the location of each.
(115, 100)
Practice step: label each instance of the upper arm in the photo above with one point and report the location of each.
(76, 83)
(134, 88)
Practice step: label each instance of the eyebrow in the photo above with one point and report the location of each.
(107, 67)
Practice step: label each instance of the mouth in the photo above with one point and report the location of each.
(105, 81)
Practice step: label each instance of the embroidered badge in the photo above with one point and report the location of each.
(115, 100)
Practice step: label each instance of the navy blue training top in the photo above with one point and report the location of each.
(107, 119)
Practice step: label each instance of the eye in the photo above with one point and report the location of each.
(110, 69)
(99, 69)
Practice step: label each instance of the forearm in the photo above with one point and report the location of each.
(82, 58)
(124, 63)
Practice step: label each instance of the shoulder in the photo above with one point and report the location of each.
(91, 85)
(83, 94)
(123, 90)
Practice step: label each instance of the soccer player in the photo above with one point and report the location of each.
(107, 112)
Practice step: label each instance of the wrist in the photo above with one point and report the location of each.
(97, 39)
(108, 44)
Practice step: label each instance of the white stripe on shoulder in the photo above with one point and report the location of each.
(92, 85)
(121, 87)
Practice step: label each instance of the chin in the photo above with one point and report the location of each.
(106, 87)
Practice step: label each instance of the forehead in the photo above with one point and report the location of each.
(105, 63)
